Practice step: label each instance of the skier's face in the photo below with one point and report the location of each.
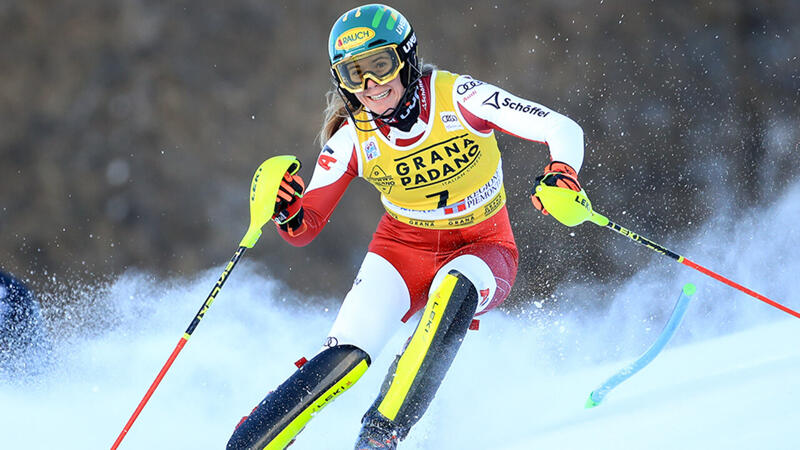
(380, 98)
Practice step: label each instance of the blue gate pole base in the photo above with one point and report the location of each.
(597, 396)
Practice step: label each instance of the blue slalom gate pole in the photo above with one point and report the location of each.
(628, 371)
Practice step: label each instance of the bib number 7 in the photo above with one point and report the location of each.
(443, 196)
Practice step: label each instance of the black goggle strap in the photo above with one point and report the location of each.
(408, 45)
(356, 122)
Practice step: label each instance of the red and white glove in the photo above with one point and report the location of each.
(289, 205)
(557, 174)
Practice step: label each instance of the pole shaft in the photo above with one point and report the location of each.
(196, 321)
(663, 250)
(738, 286)
(217, 287)
(150, 391)
(644, 241)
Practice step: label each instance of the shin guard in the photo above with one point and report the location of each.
(283, 413)
(416, 374)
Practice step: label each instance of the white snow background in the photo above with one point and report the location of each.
(729, 379)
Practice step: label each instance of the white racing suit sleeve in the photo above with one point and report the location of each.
(486, 107)
(334, 159)
(336, 166)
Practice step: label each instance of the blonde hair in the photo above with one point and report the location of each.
(335, 114)
(336, 111)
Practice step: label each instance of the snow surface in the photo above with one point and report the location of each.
(730, 378)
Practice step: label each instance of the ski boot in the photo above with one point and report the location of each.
(245, 418)
(377, 433)
(251, 412)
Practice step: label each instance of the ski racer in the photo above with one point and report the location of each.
(424, 138)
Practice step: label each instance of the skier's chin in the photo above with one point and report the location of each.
(381, 108)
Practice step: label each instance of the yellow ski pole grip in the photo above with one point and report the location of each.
(569, 207)
(263, 191)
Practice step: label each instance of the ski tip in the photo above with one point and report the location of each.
(590, 403)
(689, 289)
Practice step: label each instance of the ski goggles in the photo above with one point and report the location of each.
(380, 65)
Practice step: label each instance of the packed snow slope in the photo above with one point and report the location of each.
(730, 378)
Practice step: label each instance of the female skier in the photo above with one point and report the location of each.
(425, 139)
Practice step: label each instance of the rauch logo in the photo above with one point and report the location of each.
(354, 38)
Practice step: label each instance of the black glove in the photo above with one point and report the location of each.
(289, 205)
(557, 174)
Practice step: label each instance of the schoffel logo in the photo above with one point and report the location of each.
(524, 108)
(354, 38)
(527, 108)
(463, 88)
(331, 342)
(492, 101)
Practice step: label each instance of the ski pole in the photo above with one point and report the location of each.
(573, 208)
(687, 262)
(263, 191)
